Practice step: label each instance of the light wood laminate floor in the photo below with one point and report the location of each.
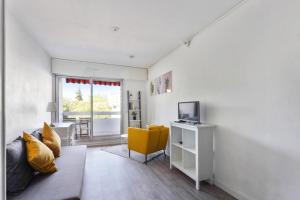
(112, 177)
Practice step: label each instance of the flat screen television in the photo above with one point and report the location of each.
(189, 111)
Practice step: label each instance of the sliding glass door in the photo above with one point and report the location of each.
(93, 105)
(106, 108)
(74, 104)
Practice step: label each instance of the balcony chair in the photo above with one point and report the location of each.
(149, 140)
(84, 125)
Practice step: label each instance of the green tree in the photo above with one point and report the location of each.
(76, 105)
(78, 95)
(66, 105)
(101, 103)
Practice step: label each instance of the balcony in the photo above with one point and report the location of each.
(104, 123)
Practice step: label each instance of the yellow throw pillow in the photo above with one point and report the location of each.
(51, 139)
(39, 156)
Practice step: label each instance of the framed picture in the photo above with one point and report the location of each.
(167, 82)
(161, 84)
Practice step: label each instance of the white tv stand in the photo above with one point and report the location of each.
(191, 150)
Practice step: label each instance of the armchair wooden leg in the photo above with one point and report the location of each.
(146, 159)
(129, 153)
(165, 153)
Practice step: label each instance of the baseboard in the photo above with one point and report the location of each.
(235, 194)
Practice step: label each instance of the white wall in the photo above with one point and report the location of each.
(2, 136)
(245, 72)
(28, 81)
(134, 79)
(90, 69)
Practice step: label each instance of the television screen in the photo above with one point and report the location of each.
(189, 111)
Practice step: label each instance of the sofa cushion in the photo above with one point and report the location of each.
(39, 156)
(18, 171)
(66, 183)
(52, 140)
(37, 134)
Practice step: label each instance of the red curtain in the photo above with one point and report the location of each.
(84, 81)
(79, 81)
(109, 83)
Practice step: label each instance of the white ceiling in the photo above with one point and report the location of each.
(82, 29)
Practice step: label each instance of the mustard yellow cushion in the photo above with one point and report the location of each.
(51, 139)
(39, 156)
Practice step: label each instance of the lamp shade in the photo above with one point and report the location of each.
(51, 107)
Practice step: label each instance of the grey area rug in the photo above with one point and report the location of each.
(122, 150)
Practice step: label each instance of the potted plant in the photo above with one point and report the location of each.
(134, 115)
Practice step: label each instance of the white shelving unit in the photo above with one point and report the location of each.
(134, 106)
(191, 150)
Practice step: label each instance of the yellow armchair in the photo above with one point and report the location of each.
(149, 140)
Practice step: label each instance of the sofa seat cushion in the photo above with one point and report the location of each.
(66, 183)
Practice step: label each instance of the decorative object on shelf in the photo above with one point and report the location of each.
(134, 115)
(134, 109)
(162, 84)
(51, 107)
(129, 105)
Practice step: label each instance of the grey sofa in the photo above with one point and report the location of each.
(66, 183)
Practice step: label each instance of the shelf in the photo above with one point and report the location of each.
(193, 151)
(189, 139)
(191, 172)
(177, 145)
(178, 164)
(134, 106)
